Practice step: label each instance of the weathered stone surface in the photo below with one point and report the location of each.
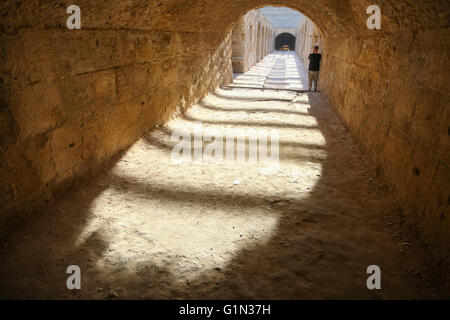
(307, 35)
(134, 63)
(253, 37)
(71, 100)
(390, 91)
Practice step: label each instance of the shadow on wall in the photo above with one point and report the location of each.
(146, 228)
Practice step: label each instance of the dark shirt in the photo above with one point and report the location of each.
(314, 61)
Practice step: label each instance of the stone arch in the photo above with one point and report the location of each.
(285, 41)
(263, 32)
(258, 43)
(263, 49)
(252, 43)
(148, 60)
(265, 41)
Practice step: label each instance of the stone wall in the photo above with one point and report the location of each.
(390, 91)
(307, 36)
(71, 99)
(253, 38)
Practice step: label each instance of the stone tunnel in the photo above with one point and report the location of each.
(73, 102)
(285, 41)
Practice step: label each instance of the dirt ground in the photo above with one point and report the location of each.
(149, 228)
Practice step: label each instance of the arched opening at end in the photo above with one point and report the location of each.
(285, 41)
(253, 35)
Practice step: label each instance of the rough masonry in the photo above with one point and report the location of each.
(70, 100)
(253, 38)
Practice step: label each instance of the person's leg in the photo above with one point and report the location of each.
(316, 81)
(314, 74)
(310, 80)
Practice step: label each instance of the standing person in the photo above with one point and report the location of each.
(314, 68)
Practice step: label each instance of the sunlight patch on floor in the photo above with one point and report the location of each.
(191, 218)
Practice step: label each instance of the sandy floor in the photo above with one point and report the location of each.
(279, 70)
(148, 227)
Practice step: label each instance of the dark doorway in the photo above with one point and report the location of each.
(285, 41)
